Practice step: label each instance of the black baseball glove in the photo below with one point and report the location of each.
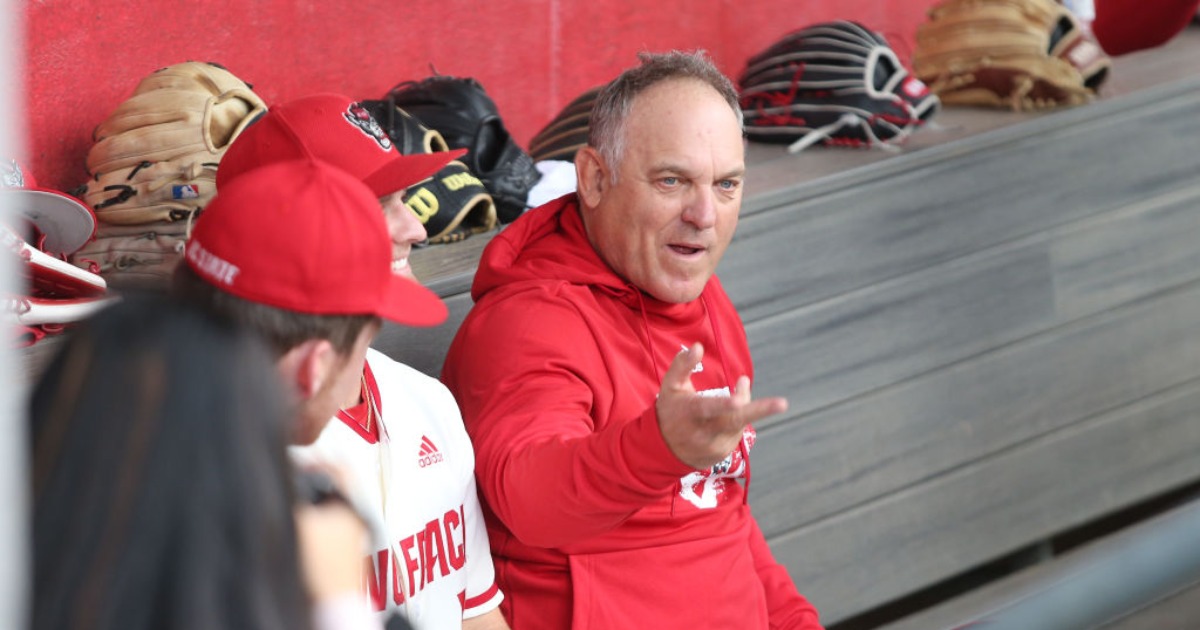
(462, 112)
(834, 83)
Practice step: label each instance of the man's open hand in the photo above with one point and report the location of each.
(703, 430)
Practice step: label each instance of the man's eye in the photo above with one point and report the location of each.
(669, 181)
(727, 184)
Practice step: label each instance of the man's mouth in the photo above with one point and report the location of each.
(685, 250)
(400, 265)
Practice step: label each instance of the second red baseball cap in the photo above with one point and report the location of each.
(306, 236)
(336, 129)
(65, 221)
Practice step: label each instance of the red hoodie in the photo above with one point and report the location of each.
(594, 523)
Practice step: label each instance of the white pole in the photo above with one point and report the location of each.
(15, 570)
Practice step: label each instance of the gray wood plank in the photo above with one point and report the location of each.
(875, 226)
(1080, 564)
(879, 444)
(448, 269)
(1178, 612)
(885, 333)
(893, 546)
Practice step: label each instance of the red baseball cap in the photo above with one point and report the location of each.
(65, 221)
(306, 236)
(336, 129)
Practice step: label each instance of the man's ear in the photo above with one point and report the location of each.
(307, 365)
(591, 175)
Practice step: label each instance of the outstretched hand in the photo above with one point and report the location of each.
(703, 430)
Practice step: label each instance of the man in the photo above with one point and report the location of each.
(398, 434)
(261, 255)
(604, 378)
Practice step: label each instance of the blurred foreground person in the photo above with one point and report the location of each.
(162, 493)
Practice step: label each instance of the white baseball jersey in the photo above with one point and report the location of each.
(413, 474)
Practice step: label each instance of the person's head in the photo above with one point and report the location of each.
(299, 252)
(162, 492)
(660, 182)
(339, 130)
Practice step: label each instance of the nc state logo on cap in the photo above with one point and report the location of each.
(11, 175)
(361, 118)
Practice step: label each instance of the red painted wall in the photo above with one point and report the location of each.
(85, 57)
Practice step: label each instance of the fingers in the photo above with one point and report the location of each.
(732, 414)
(679, 374)
(755, 410)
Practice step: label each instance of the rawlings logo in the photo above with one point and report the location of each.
(915, 88)
(358, 116)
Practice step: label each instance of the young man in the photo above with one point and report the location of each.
(398, 433)
(611, 413)
(262, 256)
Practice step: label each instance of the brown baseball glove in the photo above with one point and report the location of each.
(153, 169)
(136, 257)
(1016, 54)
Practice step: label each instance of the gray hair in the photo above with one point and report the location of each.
(606, 129)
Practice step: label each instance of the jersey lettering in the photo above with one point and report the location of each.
(435, 551)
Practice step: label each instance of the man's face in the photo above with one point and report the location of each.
(342, 376)
(668, 219)
(405, 230)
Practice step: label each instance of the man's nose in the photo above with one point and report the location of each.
(407, 227)
(701, 210)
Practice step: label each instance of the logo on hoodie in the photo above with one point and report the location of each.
(704, 489)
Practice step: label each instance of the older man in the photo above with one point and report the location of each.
(604, 377)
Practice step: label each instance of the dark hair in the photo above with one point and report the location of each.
(162, 494)
(282, 329)
(607, 124)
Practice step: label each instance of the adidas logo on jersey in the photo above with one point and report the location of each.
(429, 454)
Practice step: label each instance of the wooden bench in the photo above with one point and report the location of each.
(988, 338)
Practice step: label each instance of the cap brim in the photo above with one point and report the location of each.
(411, 304)
(407, 170)
(66, 222)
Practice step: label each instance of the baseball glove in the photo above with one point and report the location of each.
(567, 132)
(835, 83)
(149, 192)
(1016, 54)
(454, 203)
(190, 109)
(461, 110)
(153, 169)
(138, 257)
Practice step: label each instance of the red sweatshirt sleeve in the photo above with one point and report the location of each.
(1125, 26)
(788, 609)
(552, 470)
